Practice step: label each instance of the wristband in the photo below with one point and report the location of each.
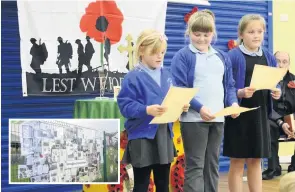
(280, 123)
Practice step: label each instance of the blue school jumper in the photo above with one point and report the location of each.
(138, 91)
(183, 71)
(239, 69)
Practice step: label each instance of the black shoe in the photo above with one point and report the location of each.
(270, 174)
(291, 168)
(266, 172)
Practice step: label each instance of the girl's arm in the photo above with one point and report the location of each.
(241, 92)
(127, 101)
(179, 70)
(230, 87)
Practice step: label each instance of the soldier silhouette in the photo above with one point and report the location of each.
(39, 55)
(81, 56)
(107, 48)
(64, 54)
(89, 51)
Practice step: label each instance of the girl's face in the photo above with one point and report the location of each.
(153, 61)
(201, 40)
(253, 35)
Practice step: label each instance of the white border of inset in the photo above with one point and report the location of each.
(58, 183)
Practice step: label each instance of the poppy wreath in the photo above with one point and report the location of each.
(187, 16)
(232, 44)
(177, 174)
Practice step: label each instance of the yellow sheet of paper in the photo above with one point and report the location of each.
(233, 110)
(265, 77)
(174, 101)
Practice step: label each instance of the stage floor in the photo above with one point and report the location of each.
(268, 186)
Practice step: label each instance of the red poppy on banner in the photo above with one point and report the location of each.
(102, 20)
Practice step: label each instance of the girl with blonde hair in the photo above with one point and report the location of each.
(247, 138)
(200, 65)
(150, 146)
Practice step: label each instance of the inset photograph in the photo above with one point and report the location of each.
(63, 151)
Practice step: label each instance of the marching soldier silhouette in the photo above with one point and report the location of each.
(81, 57)
(64, 54)
(89, 51)
(39, 55)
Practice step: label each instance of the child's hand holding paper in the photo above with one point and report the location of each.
(235, 115)
(155, 110)
(206, 114)
(186, 107)
(276, 93)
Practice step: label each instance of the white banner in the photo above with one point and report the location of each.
(64, 44)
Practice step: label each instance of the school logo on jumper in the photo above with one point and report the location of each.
(81, 47)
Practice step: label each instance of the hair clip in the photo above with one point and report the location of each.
(163, 37)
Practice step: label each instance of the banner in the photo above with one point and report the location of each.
(81, 47)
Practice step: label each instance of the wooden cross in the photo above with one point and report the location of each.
(129, 48)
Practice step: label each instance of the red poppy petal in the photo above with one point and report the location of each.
(114, 31)
(110, 8)
(95, 8)
(96, 35)
(87, 22)
(118, 19)
(114, 38)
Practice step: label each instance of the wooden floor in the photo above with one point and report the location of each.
(268, 186)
